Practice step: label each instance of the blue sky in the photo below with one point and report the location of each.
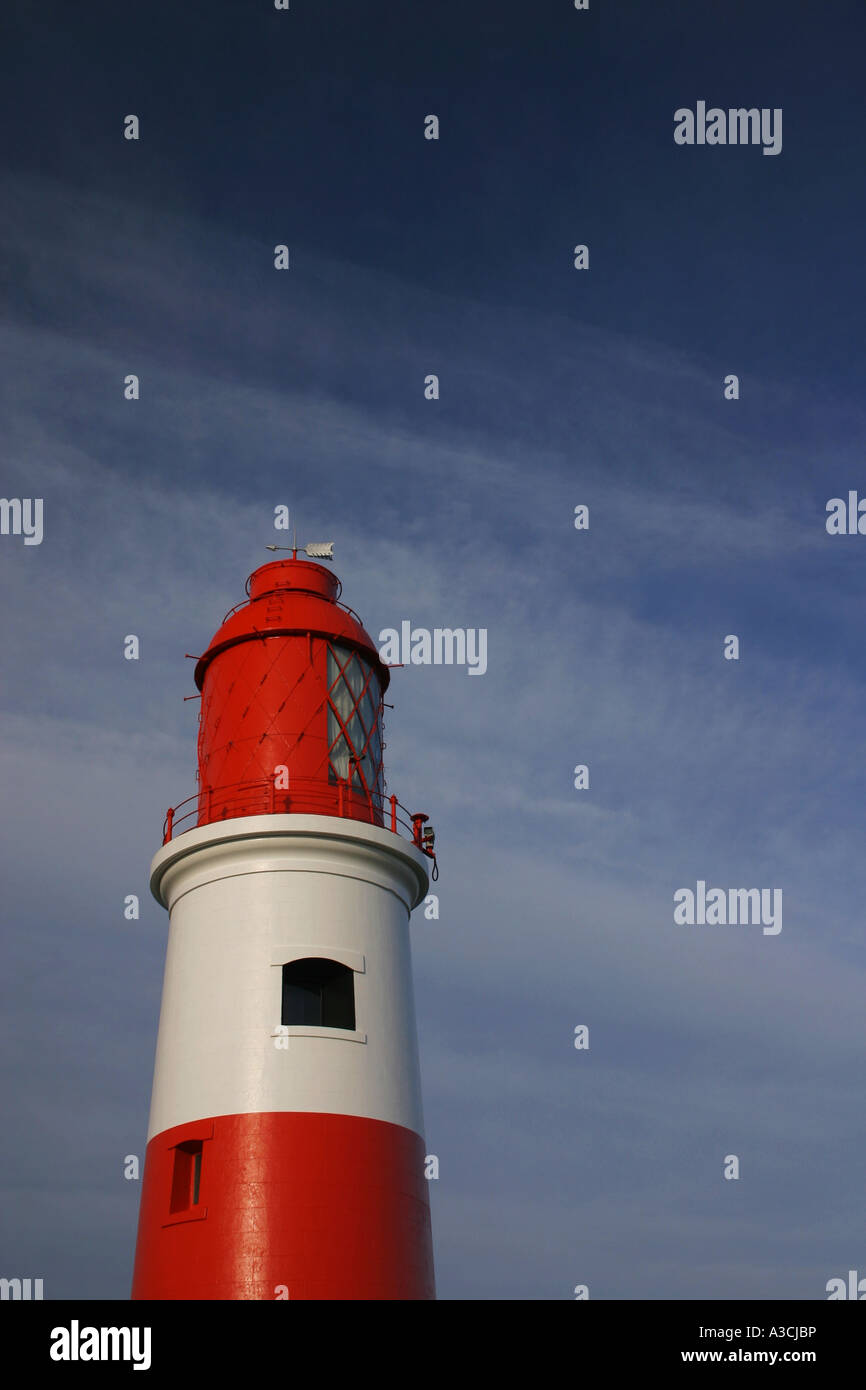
(604, 647)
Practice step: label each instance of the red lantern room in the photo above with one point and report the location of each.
(291, 703)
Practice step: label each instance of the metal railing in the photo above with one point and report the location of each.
(303, 796)
(245, 603)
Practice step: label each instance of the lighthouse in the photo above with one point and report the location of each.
(285, 1156)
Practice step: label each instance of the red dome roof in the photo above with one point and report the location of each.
(288, 597)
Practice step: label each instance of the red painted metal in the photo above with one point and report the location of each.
(292, 680)
(323, 1206)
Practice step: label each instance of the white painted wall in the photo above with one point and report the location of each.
(246, 894)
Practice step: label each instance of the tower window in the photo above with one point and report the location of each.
(186, 1176)
(319, 993)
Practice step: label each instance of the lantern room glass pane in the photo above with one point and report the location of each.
(356, 698)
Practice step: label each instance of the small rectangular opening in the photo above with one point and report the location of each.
(186, 1176)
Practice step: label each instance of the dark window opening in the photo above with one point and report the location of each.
(186, 1176)
(319, 993)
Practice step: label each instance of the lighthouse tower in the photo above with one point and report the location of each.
(284, 1155)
